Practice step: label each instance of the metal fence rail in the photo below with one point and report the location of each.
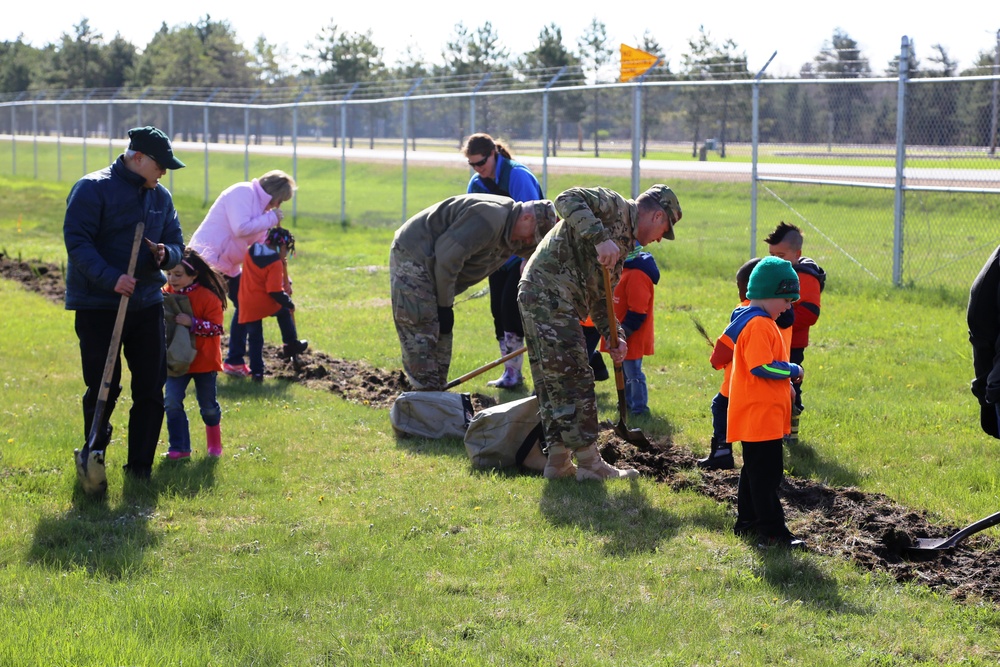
(895, 179)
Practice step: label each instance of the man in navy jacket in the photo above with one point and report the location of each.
(102, 212)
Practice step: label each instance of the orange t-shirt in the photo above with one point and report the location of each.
(759, 408)
(635, 292)
(262, 274)
(207, 309)
(722, 354)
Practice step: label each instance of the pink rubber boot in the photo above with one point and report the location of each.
(213, 435)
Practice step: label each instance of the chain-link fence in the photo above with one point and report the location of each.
(891, 179)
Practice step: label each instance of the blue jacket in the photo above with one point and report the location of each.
(514, 180)
(102, 211)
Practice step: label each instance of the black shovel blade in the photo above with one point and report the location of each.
(632, 435)
(931, 544)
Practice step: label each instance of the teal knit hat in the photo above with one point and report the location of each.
(773, 278)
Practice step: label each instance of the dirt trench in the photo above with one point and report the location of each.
(870, 529)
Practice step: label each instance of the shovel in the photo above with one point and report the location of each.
(90, 464)
(482, 369)
(633, 435)
(930, 544)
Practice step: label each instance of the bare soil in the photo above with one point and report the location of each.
(869, 529)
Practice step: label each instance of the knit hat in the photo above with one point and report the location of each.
(773, 278)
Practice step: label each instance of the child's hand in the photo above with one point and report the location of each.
(802, 374)
(183, 319)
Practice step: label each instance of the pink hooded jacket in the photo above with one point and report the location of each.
(235, 222)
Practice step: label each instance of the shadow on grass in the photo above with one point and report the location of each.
(793, 575)
(802, 461)
(110, 542)
(454, 447)
(187, 477)
(617, 510)
(240, 388)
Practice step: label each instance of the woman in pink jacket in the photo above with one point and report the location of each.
(240, 217)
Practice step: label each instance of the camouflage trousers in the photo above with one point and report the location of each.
(560, 368)
(426, 351)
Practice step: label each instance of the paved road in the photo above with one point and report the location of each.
(712, 169)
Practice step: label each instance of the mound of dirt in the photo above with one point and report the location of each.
(35, 275)
(870, 529)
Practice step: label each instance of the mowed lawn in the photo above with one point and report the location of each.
(322, 539)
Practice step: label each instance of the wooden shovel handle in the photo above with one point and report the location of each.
(482, 369)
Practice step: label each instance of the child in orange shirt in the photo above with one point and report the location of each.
(720, 456)
(633, 299)
(263, 293)
(786, 242)
(205, 290)
(760, 401)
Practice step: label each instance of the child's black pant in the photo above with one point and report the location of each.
(757, 504)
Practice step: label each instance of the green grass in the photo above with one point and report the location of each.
(320, 538)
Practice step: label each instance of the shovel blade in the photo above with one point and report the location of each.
(632, 435)
(90, 471)
(930, 544)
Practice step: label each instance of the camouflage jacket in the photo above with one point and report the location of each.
(566, 259)
(464, 239)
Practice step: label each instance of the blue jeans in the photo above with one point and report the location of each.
(177, 421)
(636, 394)
(237, 331)
(720, 418)
(255, 338)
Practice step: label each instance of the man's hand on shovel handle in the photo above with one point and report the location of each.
(607, 254)
(618, 353)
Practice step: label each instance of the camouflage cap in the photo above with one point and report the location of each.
(545, 218)
(666, 198)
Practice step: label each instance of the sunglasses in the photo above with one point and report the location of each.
(480, 163)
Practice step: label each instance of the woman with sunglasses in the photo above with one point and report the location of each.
(499, 174)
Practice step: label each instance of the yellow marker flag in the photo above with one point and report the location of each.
(635, 62)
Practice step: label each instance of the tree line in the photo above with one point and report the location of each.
(207, 55)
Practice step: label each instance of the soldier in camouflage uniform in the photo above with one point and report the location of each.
(561, 285)
(442, 251)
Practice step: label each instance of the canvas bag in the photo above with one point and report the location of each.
(507, 435)
(431, 414)
(181, 349)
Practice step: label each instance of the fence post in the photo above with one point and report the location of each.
(343, 155)
(993, 119)
(246, 136)
(13, 140)
(754, 141)
(170, 128)
(295, 149)
(637, 127)
(899, 214)
(34, 132)
(205, 139)
(545, 129)
(83, 129)
(406, 136)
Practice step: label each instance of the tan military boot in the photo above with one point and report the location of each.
(592, 466)
(560, 463)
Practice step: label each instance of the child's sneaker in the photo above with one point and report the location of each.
(177, 456)
(236, 370)
(257, 377)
